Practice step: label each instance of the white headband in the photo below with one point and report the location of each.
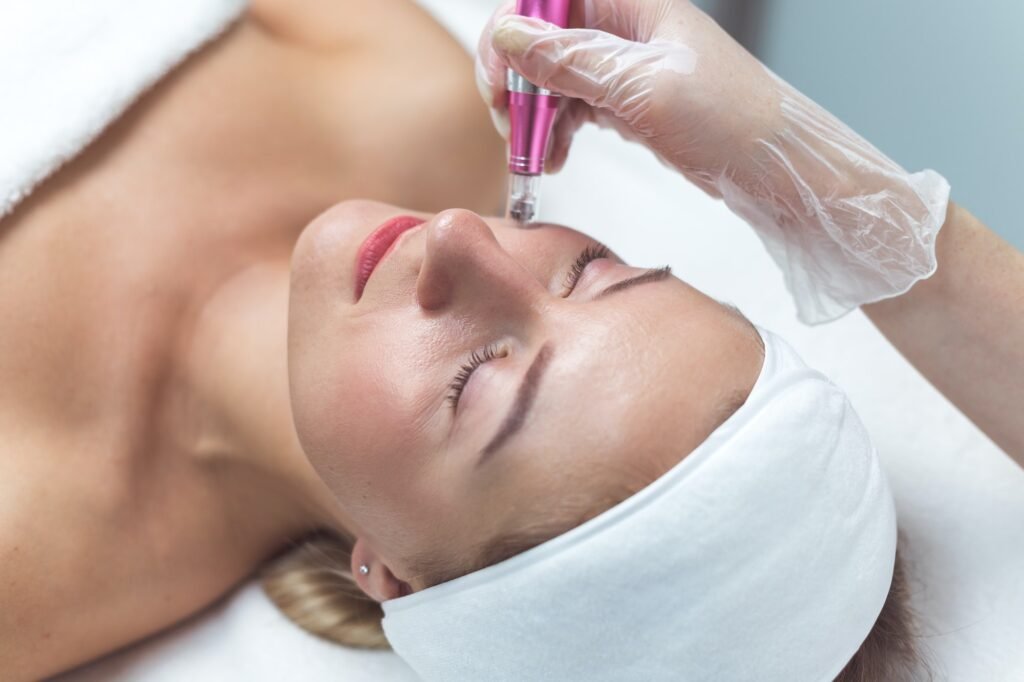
(765, 554)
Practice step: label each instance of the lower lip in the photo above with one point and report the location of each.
(378, 245)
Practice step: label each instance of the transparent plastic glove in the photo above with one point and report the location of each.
(845, 223)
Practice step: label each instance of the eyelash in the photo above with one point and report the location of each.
(591, 253)
(493, 352)
(478, 358)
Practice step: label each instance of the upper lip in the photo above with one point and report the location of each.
(378, 244)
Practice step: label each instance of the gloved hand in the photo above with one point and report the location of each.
(845, 223)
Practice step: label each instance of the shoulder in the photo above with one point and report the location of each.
(393, 97)
(326, 25)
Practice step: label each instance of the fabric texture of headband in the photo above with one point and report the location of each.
(765, 554)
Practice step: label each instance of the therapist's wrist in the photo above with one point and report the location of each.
(937, 287)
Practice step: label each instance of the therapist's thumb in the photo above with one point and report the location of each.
(581, 63)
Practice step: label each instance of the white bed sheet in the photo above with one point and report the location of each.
(960, 500)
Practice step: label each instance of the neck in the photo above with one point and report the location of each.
(237, 377)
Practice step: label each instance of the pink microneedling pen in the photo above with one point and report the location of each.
(531, 114)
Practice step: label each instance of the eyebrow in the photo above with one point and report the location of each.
(524, 400)
(655, 275)
(527, 392)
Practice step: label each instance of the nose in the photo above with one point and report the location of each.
(465, 266)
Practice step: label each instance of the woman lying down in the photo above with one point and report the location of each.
(505, 453)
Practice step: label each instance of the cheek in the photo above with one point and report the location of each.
(368, 395)
(364, 428)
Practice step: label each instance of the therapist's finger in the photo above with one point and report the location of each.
(633, 19)
(490, 67)
(490, 70)
(569, 120)
(593, 66)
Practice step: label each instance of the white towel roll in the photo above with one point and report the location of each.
(69, 68)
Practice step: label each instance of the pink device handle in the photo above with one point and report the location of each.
(532, 110)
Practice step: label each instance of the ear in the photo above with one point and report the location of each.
(380, 584)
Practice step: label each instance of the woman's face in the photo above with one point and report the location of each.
(486, 375)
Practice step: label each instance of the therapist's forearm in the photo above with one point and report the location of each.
(963, 328)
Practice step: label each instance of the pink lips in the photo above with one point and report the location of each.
(378, 245)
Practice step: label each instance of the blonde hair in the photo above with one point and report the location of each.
(889, 653)
(314, 587)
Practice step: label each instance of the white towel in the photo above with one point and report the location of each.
(68, 68)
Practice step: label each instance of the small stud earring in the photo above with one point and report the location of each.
(364, 569)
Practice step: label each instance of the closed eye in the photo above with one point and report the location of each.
(589, 254)
(479, 357)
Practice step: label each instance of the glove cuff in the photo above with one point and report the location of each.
(845, 223)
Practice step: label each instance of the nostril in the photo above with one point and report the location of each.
(433, 288)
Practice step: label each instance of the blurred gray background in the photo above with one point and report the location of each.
(932, 83)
